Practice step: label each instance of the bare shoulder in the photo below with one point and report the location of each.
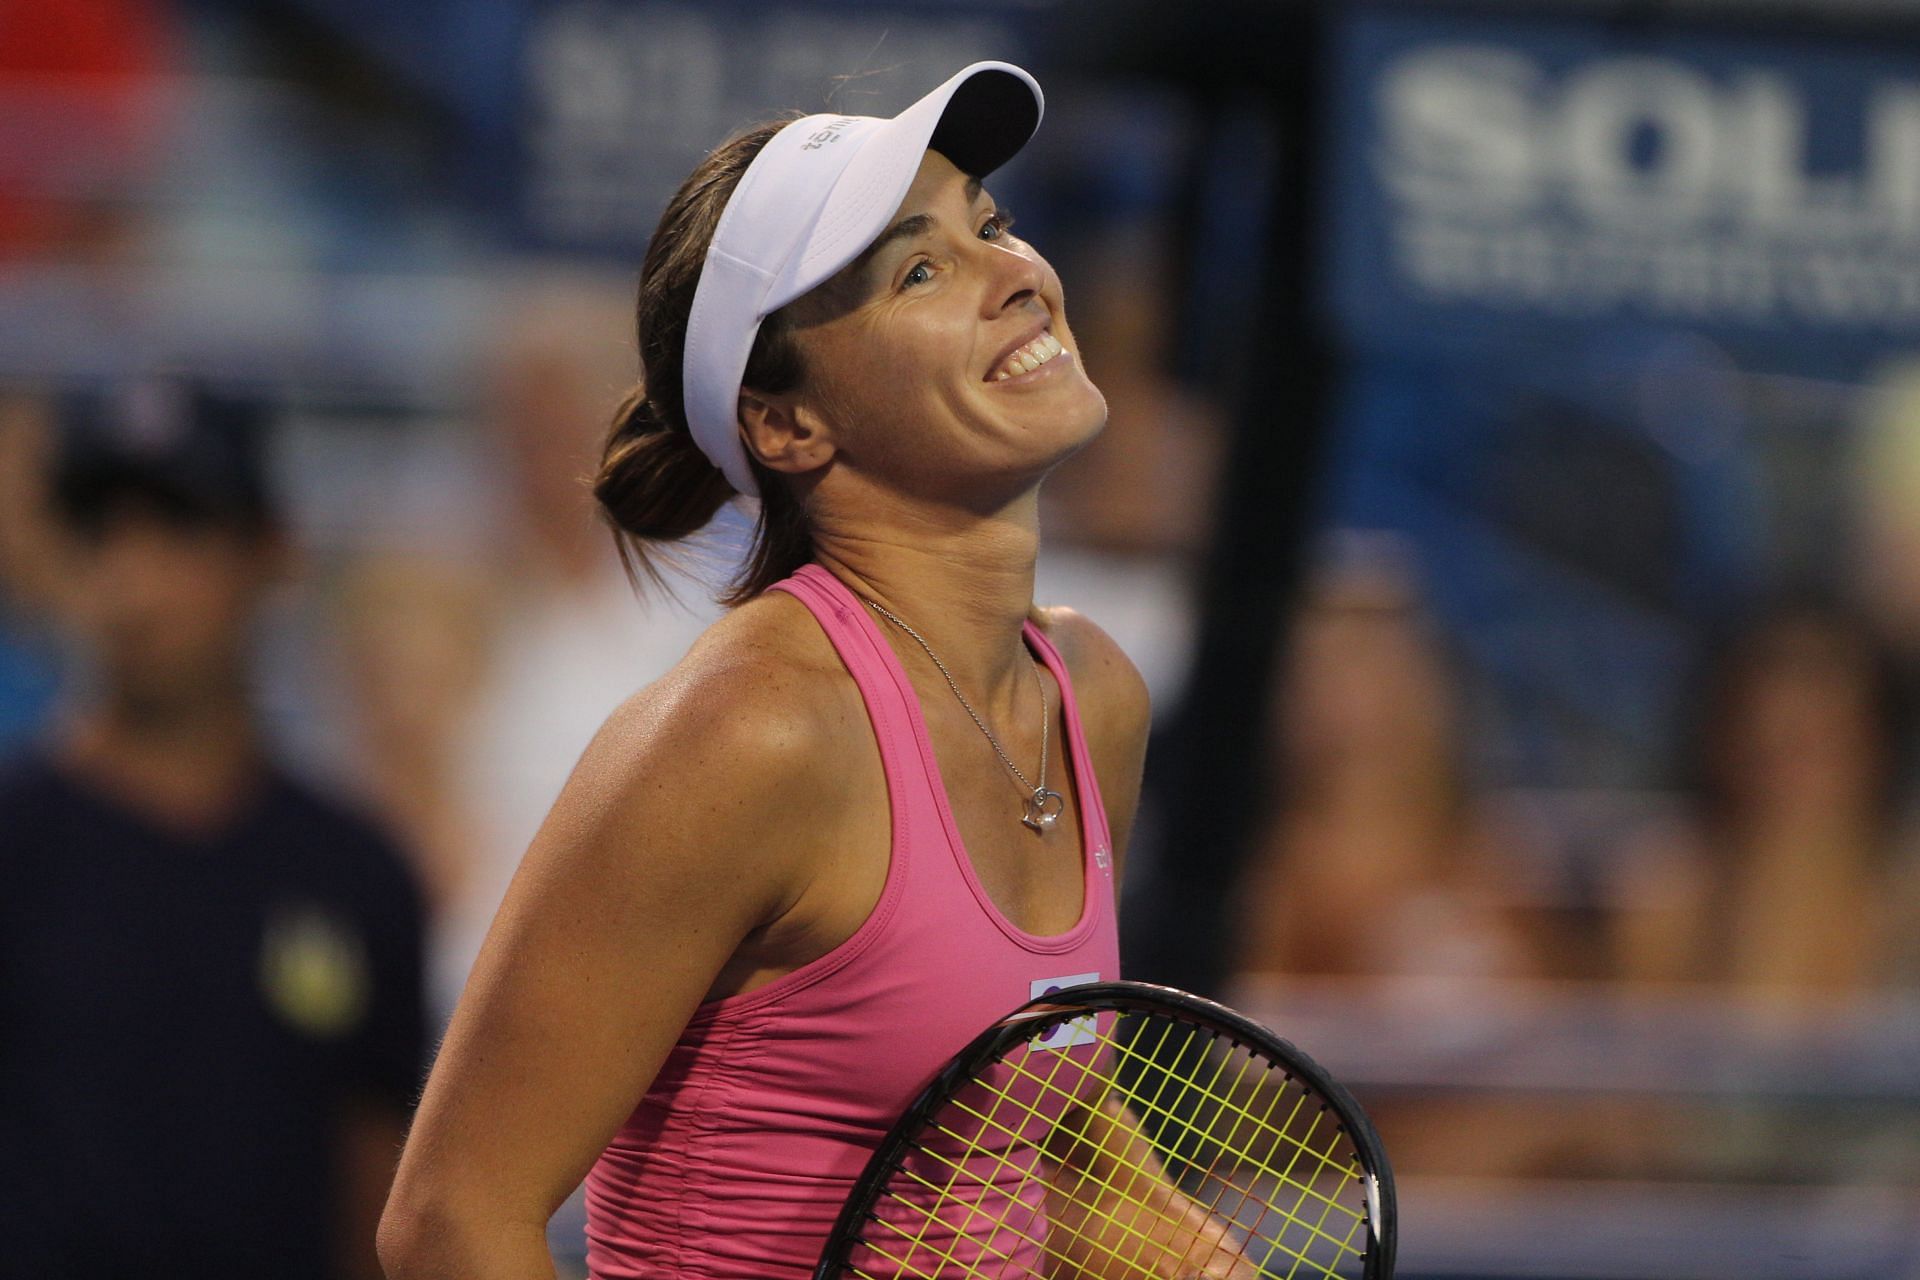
(751, 681)
(740, 740)
(687, 827)
(1107, 685)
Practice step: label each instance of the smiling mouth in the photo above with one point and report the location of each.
(1026, 359)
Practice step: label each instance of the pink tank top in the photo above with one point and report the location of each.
(736, 1161)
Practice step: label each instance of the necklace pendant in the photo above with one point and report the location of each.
(1044, 808)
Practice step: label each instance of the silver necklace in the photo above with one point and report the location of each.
(1043, 807)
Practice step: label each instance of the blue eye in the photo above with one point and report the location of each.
(996, 226)
(918, 273)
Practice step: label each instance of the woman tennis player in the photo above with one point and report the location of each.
(879, 804)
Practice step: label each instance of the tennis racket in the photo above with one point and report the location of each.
(1122, 1131)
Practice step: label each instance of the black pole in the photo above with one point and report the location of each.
(1235, 60)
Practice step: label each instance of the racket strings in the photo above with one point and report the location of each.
(1129, 1227)
(1225, 1148)
(1168, 1114)
(1240, 1112)
(1143, 1241)
(1343, 1247)
(1039, 1244)
(1201, 1139)
(1029, 1117)
(970, 1145)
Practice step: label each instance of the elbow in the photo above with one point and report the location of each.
(401, 1242)
(429, 1234)
(418, 1237)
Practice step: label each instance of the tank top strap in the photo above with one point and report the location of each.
(841, 616)
(1093, 807)
(892, 705)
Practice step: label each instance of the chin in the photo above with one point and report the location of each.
(1090, 419)
(1078, 431)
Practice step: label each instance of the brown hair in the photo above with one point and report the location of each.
(654, 486)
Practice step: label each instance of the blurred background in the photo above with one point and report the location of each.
(1512, 496)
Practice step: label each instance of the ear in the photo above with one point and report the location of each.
(784, 434)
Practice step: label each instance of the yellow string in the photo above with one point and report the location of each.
(1017, 1067)
(1345, 1171)
(1041, 1245)
(1114, 1086)
(1226, 1179)
(1349, 1171)
(1136, 1172)
(1266, 1205)
(1242, 1158)
(1126, 1227)
(1225, 1147)
(959, 1168)
(1242, 1111)
(1210, 1108)
(970, 1148)
(1015, 1136)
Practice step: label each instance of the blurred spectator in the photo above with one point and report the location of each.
(210, 976)
(1790, 880)
(1885, 476)
(29, 576)
(1376, 859)
(414, 631)
(482, 672)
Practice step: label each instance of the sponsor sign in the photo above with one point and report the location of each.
(618, 100)
(1492, 176)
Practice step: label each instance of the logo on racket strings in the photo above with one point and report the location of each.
(1074, 1031)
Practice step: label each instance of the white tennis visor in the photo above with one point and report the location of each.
(812, 200)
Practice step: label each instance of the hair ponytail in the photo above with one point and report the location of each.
(655, 487)
(654, 483)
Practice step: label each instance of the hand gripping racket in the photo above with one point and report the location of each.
(1121, 1131)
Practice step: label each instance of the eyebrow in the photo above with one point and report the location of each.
(920, 224)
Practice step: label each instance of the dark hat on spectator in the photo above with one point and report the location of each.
(167, 442)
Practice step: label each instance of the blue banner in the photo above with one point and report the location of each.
(1504, 183)
(618, 100)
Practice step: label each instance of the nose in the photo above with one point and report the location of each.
(1015, 276)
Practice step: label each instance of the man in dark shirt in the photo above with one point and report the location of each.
(210, 1004)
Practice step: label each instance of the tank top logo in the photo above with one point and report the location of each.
(1102, 859)
(1067, 1034)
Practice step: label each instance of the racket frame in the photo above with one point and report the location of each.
(1124, 997)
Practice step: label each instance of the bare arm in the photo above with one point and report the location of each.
(670, 844)
(371, 1133)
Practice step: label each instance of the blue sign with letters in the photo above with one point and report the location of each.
(1590, 278)
(618, 100)
(1510, 182)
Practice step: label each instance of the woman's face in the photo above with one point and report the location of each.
(944, 358)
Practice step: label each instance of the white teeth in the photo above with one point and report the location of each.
(1030, 357)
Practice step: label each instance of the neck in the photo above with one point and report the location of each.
(962, 580)
(187, 765)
